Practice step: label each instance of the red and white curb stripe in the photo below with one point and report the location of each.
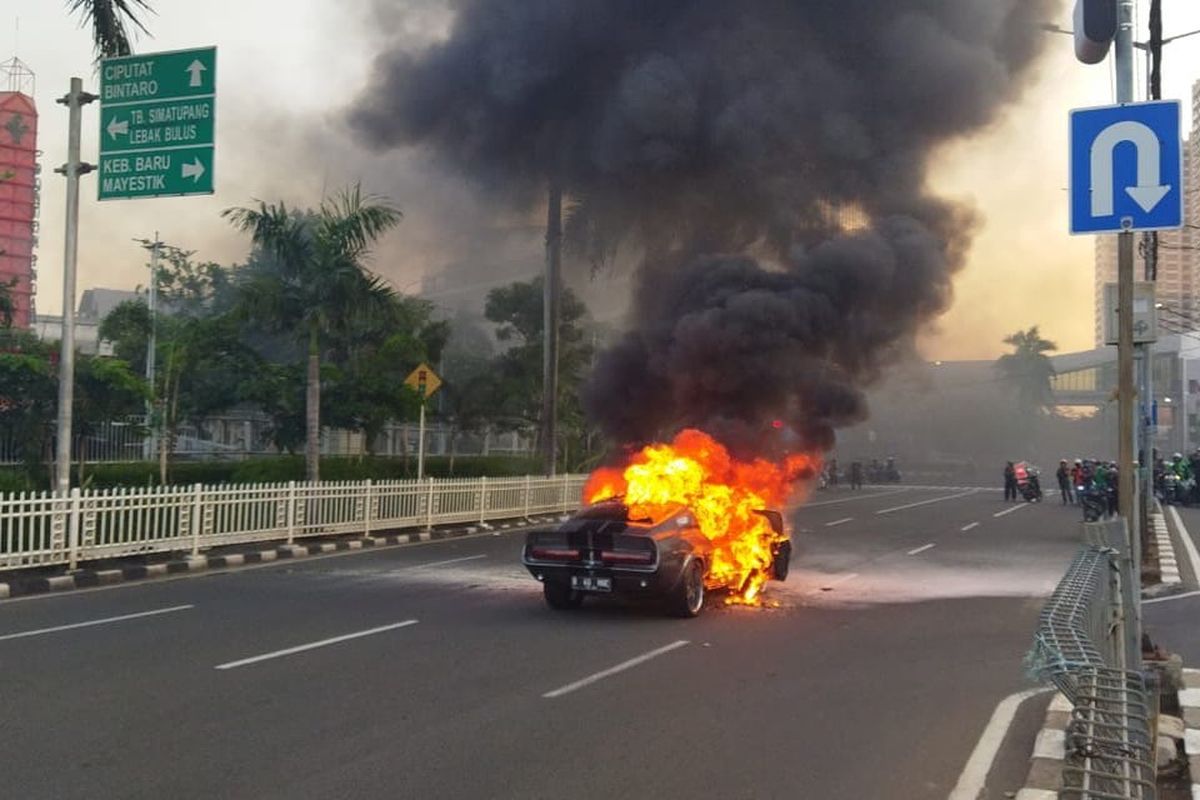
(1167, 564)
(1049, 750)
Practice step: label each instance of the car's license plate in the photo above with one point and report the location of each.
(591, 583)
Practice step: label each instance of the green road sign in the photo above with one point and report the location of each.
(166, 123)
(157, 115)
(151, 173)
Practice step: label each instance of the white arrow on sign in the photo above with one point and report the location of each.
(1148, 193)
(194, 170)
(115, 127)
(196, 68)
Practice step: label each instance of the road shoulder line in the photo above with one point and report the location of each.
(974, 775)
(1189, 546)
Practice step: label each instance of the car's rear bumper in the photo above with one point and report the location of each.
(639, 583)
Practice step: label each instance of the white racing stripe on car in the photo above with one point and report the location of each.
(624, 665)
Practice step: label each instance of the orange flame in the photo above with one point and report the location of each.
(698, 472)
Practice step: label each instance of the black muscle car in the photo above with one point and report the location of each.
(602, 550)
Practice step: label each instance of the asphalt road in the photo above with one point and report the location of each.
(436, 671)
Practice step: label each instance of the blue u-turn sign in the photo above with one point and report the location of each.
(1126, 168)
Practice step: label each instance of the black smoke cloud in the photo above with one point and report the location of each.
(729, 142)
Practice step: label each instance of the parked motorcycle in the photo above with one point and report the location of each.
(1093, 502)
(1028, 484)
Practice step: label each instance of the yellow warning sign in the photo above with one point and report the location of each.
(423, 380)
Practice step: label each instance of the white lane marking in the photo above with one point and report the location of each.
(837, 522)
(1011, 510)
(863, 496)
(90, 623)
(927, 502)
(1169, 597)
(313, 645)
(836, 582)
(971, 781)
(969, 526)
(447, 561)
(920, 549)
(1189, 546)
(624, 665)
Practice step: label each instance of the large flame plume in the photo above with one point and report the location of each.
(696, 471)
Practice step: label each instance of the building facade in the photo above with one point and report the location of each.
(20, 185)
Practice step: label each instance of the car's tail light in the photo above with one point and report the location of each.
(643, 557)
(554, 553)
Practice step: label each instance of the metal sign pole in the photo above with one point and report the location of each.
(421, 440)
(74, 101)
(1126, 391)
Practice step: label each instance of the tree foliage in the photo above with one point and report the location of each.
(1029, 369)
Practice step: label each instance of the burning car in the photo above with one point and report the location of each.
(661, 554)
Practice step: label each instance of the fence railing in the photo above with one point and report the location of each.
(45, 528)
(1079, 646)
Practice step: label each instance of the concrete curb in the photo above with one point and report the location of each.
(1189, 702)
(89, 578)
(1168, 566)
(1049, 749)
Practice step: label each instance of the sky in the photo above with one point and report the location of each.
(285, 80)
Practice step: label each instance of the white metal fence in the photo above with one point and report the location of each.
(46, 528)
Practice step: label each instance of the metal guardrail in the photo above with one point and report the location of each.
(1080, 647)
(47, 528)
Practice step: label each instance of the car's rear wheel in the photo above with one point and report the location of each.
(688, 599)
(561, 597)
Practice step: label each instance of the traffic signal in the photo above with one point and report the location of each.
(1095, 29)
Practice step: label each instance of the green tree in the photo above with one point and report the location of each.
(315, 285)
(111, 22)
(28, 393)
(516, 310)
(106, 390)
(1029, 369)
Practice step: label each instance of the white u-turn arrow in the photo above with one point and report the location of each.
(1148, 193)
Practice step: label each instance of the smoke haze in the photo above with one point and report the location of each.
(766, 160)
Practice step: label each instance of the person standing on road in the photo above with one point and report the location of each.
(1010, 482)
(1064, 483)
(856, 475)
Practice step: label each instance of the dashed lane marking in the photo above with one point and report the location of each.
(90, 623)
(837, 522)
(927, 502)
(969, 526)
(313, 645)
(921, 549)
(624, 665)
(447, 561)
(1011, 510)
(864, 496)
(1169, 598)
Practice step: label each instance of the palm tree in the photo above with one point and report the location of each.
(1029, 368)
(313, 283)
(111, 22)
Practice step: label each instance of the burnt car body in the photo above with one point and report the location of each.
(602, 551)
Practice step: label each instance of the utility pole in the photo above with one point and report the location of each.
(152, 348)
(1148, 417)
(551, 294)
(1127, 401)
(74, 101)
